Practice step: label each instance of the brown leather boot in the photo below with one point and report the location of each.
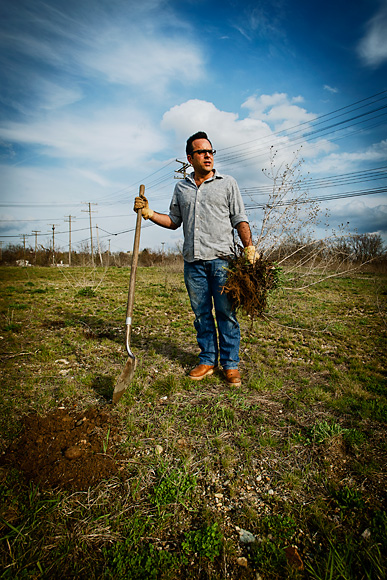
(233, 377)
(201, 371)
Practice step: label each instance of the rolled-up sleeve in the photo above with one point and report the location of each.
(174, 210)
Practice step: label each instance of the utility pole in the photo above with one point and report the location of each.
(182, 170)
(108, 260)
(91, 231)
(69, 220)
(36, 232)
(53, 244)
(99, 247)
(24, 247)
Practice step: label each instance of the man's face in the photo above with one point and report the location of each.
(202, 163)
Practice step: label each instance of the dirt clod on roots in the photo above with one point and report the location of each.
(248, 285)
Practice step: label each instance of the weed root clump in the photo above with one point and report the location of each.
(248, 285)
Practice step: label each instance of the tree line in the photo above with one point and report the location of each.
(301, 249)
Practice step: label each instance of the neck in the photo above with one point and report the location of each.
(200, 178)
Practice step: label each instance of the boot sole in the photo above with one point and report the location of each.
(238, 384)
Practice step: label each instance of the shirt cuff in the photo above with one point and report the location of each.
(176, 219)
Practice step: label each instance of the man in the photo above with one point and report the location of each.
(209, 205)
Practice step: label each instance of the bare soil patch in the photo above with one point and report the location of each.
(66, 449)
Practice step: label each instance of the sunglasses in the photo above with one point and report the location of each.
(204, 151)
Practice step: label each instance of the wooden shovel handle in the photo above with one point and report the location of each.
(133, 269)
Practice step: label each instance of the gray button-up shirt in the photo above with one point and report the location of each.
(208, 214)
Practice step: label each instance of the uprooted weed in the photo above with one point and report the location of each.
(248, 285)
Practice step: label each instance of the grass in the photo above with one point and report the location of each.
(296, 455)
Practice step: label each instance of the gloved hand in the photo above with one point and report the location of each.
(141, 203)
(251, 254)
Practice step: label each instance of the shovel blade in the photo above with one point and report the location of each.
(124, 379)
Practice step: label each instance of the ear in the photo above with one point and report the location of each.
(189, 159)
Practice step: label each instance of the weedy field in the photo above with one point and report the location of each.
(283, 477)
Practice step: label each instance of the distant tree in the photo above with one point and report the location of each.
(366, 247)
(13, 252)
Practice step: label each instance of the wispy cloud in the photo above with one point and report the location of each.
(148, 63)
(372, 48)
(331, 89)
(46, 50)
(113, 137)
(262, 20)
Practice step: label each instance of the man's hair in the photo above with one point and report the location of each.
(190, 140)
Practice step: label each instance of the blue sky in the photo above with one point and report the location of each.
(99, 96)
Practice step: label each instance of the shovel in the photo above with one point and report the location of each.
(127, 374)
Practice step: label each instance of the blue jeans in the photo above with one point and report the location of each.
(204, 280)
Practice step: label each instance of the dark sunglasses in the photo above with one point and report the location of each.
(204, 151)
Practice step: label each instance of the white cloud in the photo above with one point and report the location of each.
(265, 114)
(362, 216)
(55, 96)
(196, 115)
(331, 89)
(250, 138)
(343, 162)
(278, 110)
(372, 48)
(253, 133)
(225, 130)
(150, 63)
(264, 19)
(47, 184)
(121, 45)
(95, 177)
(112, 138)
(315, 149)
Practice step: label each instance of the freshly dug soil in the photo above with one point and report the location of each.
(66, 449)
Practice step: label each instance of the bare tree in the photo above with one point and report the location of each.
(289, 211)
(287, 233)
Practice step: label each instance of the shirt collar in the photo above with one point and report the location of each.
(216, 175)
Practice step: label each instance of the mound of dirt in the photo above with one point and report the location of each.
(66, 449)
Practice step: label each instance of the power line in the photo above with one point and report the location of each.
(353, 118)
(353, 177)
(318, 199)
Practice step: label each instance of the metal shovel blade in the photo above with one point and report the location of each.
(124, 379)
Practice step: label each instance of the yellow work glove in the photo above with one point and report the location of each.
(251, 254)
(141, 202)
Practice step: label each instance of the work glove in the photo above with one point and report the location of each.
(251, 254)
(141, 203)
